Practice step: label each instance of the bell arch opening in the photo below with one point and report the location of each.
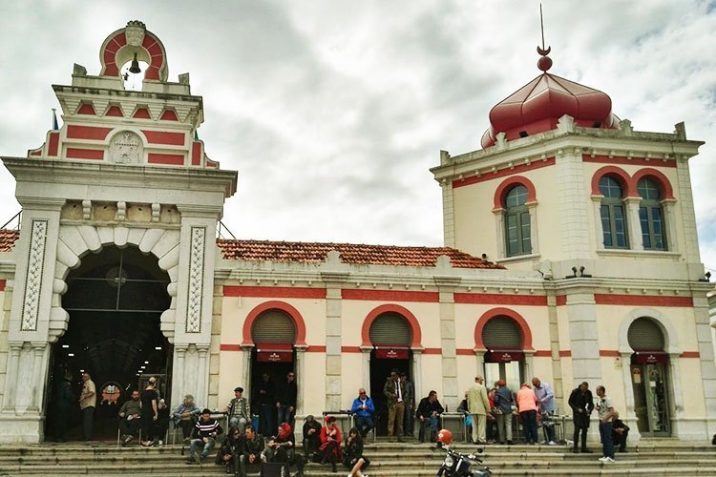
(114, 299)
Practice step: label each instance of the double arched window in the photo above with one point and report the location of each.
(613, 213)
(517, 222)
(651, 215)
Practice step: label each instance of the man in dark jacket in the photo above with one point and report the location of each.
(311, 435)
(286, 400)
(428, 413)
(204, 437)
(582, 404)
(620, 432)
(264, 397)
(252, 446)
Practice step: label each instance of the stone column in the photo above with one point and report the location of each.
(634, 223)
(365, 366)
(534, 235)
(677, 398)
(178, 367)
(11, 378)
(672, 240)
(479, 362)
(38, 376)
(334, 384)
(448, 213)
(417, 376)
(300, 371)
(629, 415)
(499, 214)
(447, 343)
(597, 209)
(581, 312)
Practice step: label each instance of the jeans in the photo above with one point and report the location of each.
(605, 432)
(364, 424)
(529, 425)
(267, 426)
(206, 447)
(238, 421)
(87, 422)
(284, 415)
(504, 426)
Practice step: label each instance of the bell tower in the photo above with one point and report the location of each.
(125, 169)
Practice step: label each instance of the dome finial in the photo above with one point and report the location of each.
(545, 62)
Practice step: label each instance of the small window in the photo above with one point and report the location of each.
(651, 216)
(613, 213)
(517, 222)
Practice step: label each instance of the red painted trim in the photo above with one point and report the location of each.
(634, 161)
(196, 153)
(498, 200)
(316, 349)
(274, 305)
(643, 300)
(36, 153)
(561, 300)
(169, 115)
(500, 299)
(565, 353)
(432, 351)
(503, 172)
(609, 353)
(77, 153)
(86, 108)
(163, 137)
(351, 349)
(142, 113)
(417, 336)
(2, 284)
(666, 191)
(87, 132)
(390, 295)
(53, 144)
(115, 111)
(230, 347)
(621, 176)
(271, 292)
(543, 353)
(465, 352)
(521, 322)
(172, 159)
(690, 354)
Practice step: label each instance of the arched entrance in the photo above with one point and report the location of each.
(505, 357)
(114, 299)
(649, 377)
(391, 336)
(273, 357)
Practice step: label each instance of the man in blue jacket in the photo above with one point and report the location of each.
(363, 410)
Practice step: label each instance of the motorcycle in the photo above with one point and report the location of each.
(456, 464)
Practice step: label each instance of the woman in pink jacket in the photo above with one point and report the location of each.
(527, 405)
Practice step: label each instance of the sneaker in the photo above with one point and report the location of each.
(604, 459)
(160, 442)
(551, 443)
(609, 460)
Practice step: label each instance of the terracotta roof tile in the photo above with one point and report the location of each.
(355, 254)
(8, 239)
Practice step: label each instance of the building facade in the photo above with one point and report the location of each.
(570, 254)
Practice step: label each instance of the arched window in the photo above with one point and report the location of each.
(614, 225)
(651, 215)
(517, 222)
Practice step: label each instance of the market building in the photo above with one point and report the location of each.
(570, 254)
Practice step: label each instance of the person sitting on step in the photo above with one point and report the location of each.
(129, 416)
(251, 450)
(230, 450)
(428, 413)
(330, 443)
(620, 433)
(204, 437)
(186, 415)
(311, 435)
(282, 448)
(353, 457)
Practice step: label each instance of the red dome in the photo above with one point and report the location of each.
(538, 105)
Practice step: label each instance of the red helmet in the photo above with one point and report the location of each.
(445, 436)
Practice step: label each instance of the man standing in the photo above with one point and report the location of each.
(363, 410)
(264, 398)
(545, 396)
(582, 405)
(503, 411)
(88, 401)
(606, 414)
(394, 391)
(409, 403)
(479, 406)
(129, 415)
(286, 399)
(63, 402)
(429, 411)
(238, 410)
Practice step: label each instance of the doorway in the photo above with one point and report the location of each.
(115, 299)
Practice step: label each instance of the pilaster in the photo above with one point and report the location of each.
(584, 336)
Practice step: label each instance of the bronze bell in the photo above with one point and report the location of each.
(135, 66)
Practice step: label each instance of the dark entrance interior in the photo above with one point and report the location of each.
(380, 369)
(115, 300)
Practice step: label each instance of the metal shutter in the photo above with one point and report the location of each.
(645, 335)
(390, 329)
(274, 326)
(502, 332)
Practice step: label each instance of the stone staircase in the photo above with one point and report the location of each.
(388, 459)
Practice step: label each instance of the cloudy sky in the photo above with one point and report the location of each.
(333, 110)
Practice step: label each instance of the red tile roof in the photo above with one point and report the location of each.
(355, 254)
(8, 239)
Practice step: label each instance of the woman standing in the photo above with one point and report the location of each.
(150, 411)
(330, 443)
(527, 405)
(353, 457)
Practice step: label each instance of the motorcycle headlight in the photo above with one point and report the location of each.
(448, 461)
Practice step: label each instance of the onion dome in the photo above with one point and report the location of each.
(537, 106)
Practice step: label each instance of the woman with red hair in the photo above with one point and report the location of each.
(331, 443)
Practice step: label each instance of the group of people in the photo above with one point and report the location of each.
(144, 410)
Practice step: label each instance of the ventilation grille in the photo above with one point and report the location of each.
(645, 335)
(502, 333)
(390, 329)
(274, 326)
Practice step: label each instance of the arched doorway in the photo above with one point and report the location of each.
(505, 355)
(649, 377)
(115, 299)
(391, 336)
(273, 357)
